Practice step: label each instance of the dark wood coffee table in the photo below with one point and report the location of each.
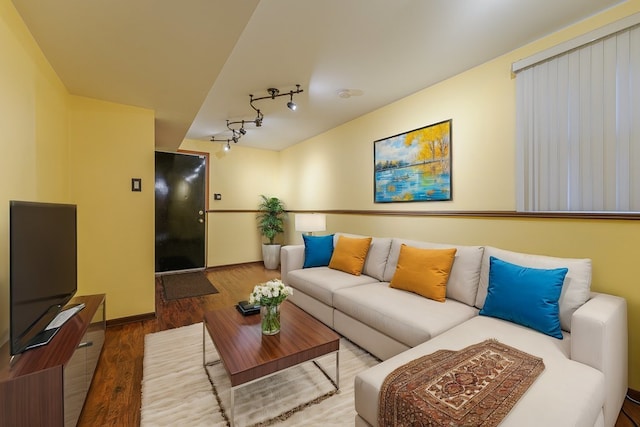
(249, 356)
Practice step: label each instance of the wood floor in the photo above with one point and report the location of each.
(114, 397)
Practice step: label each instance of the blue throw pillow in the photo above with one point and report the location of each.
(523, 295)
(317, 250)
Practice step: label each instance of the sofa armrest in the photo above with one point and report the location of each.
(291, 258)
(599, 339)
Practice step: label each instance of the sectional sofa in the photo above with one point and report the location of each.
(584, 381)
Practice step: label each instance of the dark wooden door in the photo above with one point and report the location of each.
(180, 212)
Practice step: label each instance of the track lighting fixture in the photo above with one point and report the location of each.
(237, 133)
(273, 94)
(226, 147)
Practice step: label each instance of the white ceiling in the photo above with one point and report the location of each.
(195, 62)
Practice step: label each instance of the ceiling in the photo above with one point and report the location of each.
(195, 62)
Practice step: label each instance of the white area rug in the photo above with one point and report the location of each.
(177, 391)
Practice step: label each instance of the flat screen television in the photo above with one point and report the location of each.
(42, 269)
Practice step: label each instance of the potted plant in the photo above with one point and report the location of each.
(270, 224)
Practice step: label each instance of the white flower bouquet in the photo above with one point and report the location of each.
(272, 292)
(269, 296)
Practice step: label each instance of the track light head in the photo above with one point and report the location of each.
(227, 147)
(291, 105)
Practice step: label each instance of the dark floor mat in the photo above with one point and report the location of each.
(186, 285)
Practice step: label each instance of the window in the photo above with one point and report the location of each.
(578, 125)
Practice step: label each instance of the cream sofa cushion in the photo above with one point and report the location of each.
(575, 289)
(401, 315)
(465, 272)
(322, 282)
(566, 393)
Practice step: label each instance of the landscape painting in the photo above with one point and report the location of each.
(414, 166)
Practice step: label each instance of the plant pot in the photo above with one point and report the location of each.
(271, 256)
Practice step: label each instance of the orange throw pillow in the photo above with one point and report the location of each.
(349, 254)
(424, 271)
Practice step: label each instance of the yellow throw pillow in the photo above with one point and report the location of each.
(424, 271)
(349, 254)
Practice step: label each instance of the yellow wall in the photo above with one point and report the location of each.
(334, 170)
(34, 155)
(61, 148)
(110, 144)
(240, 176)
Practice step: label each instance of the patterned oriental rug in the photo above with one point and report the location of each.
(476, 386)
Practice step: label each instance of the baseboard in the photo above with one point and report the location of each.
(210, 268)
(218, 267)
(131, 319)
(634, 394)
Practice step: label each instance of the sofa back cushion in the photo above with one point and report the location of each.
(575, 289)
(465, 272)
(376, 260)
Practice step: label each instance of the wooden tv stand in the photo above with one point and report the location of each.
(48, 385)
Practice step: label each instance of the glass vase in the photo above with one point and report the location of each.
(270, 319)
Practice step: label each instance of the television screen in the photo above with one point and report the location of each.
(42, 268)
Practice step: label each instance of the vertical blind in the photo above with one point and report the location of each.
(578, 128)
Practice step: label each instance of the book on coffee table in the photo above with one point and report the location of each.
(247, 309)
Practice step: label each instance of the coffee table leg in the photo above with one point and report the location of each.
(338, 370)
(232, 410)
(335, 380)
